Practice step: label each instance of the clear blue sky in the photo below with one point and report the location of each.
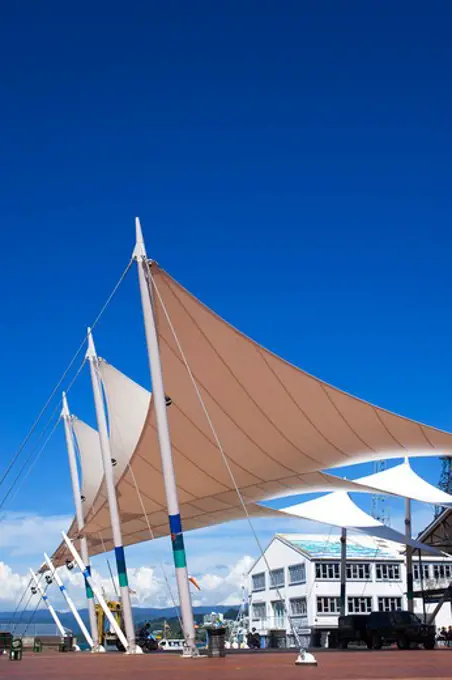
(290, 161)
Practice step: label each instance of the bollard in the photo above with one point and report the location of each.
(216, 642)
(16, 651)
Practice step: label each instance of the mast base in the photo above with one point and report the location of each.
(190, 653)
(305, 659)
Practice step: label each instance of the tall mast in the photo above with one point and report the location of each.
(409, 557)
(80, 518)
(343, 574)
(111, 494)
(52, 612)
(69, 601)
(159, 400)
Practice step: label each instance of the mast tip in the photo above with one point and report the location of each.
(139, 250)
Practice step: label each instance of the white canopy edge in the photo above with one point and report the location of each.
(401, 480)
(337, 509)
(90, 457)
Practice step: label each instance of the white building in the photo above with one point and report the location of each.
(305, 574)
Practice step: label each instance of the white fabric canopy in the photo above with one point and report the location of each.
(279, 426)
(337, 509)
(402, 480)
(206, 491)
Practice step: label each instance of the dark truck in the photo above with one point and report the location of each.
(383, 628)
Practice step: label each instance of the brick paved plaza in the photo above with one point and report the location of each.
(334, 665)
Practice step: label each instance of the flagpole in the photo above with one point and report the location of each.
(52, 612)
(159, 400)
(80, 518)
(111, 494)
(69, 601)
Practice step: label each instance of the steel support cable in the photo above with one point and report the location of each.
(25, 591)
(30, 621)
(224, 457)
(19, 479)
(61, 379)
(30, 583)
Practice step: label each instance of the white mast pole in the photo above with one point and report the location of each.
(158, 396)
(52, 612)
(68, 599)
(79, 514)
(111, 494)
(99, 597)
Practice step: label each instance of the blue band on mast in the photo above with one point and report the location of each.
(121, 565)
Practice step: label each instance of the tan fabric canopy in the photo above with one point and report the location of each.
(279, 426)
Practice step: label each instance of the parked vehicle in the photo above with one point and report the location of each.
(351, 628)
(404, 628)
(383, 628)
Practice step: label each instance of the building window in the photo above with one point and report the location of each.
(387, 571)
(328, 605)
(359, 605)
(327, 571)
(259, 611)
(358, 571)
(298, 606)
(297, 574)
(417, 572)
(258, 582)
(277, 578)
(278, 612)
(389, 604)
(442, 571)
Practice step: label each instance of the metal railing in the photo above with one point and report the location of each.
(32, 629)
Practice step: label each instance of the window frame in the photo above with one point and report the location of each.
(335, 568)
(329, 599)
(274, 586)
(386, 566)
(366, 566)
(260, 589)
(417, 570)
(300, 565)
(367, 609)
(382, 598)
(259, 604)
(303, 601)
(442, 566)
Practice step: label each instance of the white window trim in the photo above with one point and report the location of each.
(264, 587)
(303, 613)
(296, 583)
(387, 565)
(336, 567)
(272, 586)
(327, 597)
(364, 579)
(389, 597)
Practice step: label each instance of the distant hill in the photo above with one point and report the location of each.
(140, 614)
